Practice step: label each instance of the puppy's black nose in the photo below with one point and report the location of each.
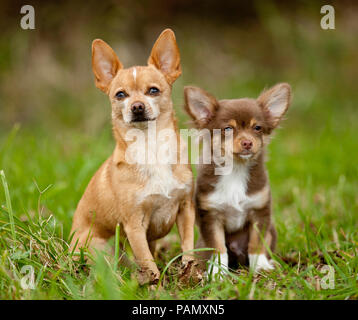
(138, 108)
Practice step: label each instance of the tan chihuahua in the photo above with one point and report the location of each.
(145, 199)
(234, 210)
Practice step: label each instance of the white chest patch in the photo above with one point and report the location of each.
(230, 196)
(159, 180)
(230, 190)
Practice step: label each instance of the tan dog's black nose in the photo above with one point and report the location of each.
(246, 144)
(138, 108)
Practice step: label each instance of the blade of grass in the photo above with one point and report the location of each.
(116, 253)
(8, 204)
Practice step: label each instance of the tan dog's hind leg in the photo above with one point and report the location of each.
(96, 244)
(185, 222)
(89, 239)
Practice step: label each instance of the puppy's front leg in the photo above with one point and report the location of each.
(137, 237)
(213, 232)
(260, 226)
(185, 222)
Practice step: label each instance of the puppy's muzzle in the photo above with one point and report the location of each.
(138, 112)
(246, 144)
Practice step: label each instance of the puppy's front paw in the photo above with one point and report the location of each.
(218, 266)
(145, 276)
(260, 262)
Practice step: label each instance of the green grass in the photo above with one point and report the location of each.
(314, 182)
(65, 135)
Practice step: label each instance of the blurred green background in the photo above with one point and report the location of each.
(55, 125)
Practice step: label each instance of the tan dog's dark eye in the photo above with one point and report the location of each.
(153, 91)
(257, 128)
(121, 95)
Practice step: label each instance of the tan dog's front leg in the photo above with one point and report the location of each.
(190, 271)
(137, 238)
(185, 222)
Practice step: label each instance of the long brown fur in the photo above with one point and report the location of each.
(252, 121)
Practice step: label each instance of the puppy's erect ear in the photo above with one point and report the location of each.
(165, 56)
(200, 105)
(105, 64)
(276, 101)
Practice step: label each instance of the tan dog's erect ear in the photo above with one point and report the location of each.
(105, 64)
(199, 104)
(165, 56)
(276, 100)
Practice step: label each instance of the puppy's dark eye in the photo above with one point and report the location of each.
(153, 91)
(121, 95)
(228, 129)
(257, 128)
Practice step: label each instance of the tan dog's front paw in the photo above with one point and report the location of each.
(187, 259)
(145, 276)
(190, 272)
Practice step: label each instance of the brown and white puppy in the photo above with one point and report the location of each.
(234, 210)
(145, 199)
